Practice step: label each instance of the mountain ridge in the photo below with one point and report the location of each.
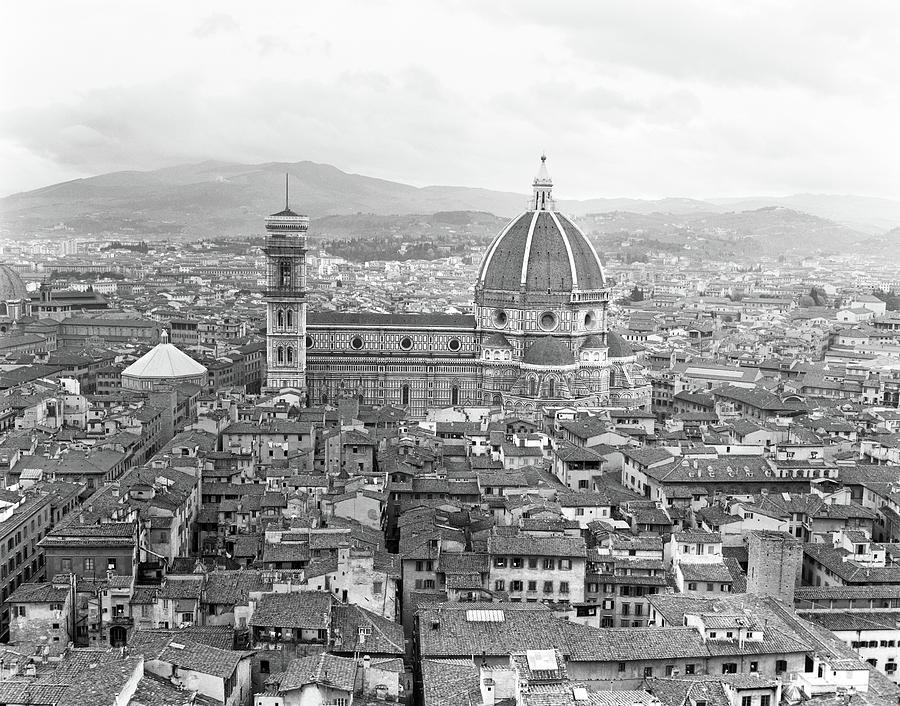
(218, 197)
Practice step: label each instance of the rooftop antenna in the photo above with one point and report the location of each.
(286, 201)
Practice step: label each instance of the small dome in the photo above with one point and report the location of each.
(497, 340)
(164, 361)
(12, 288)
(548, 352)
(618, 346)
(592, 342)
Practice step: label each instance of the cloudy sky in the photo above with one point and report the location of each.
(630, 98)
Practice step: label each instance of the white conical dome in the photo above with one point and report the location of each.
(164, 361)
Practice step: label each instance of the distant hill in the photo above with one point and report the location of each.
(222, 198)
(870, 215)
(768, 229)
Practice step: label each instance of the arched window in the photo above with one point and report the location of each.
(290, 318)
(532, 387)
(404, 394)
(279, 356)
(551, 388)
(454, 395)
(290, 354)
(280, 318)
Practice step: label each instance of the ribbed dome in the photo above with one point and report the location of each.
(164, 361)
(592, 342)
(618, 346)
(12, 288)
(541, 250)
(549, 352)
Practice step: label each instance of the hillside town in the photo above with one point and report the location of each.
(252, 472)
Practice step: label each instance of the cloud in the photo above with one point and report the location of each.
(216, 23)
(815, 46)
(696, 98)
(361, 117)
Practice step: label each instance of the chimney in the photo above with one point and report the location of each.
(487, 689)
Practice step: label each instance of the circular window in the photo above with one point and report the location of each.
(356, 343)
(454, 344)
(547, 321)
(406, 343)
(500, 318)
(590, 320)
(309, 341)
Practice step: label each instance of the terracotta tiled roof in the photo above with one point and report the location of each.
(335, 672)
(495, 629)
(539, 246)
(310, 610)
(548, 351)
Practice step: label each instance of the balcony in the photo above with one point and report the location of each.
(292, 293)
(295, 222)
(590, 295)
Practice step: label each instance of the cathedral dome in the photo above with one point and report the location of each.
(548, 352)
(12, 288)
(540, 252)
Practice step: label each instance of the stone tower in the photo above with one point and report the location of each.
(774, 563)
(285, 296)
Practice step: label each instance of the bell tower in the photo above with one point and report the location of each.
(285, 297)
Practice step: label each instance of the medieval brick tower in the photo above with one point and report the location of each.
(285, 296)
(775, 560)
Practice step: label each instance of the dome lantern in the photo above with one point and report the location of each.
(543, 189)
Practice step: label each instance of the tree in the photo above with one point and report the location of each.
(637, 294)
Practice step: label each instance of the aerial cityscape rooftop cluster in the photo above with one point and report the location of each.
(539, 466)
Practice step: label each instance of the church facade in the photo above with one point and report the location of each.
(538, 337)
